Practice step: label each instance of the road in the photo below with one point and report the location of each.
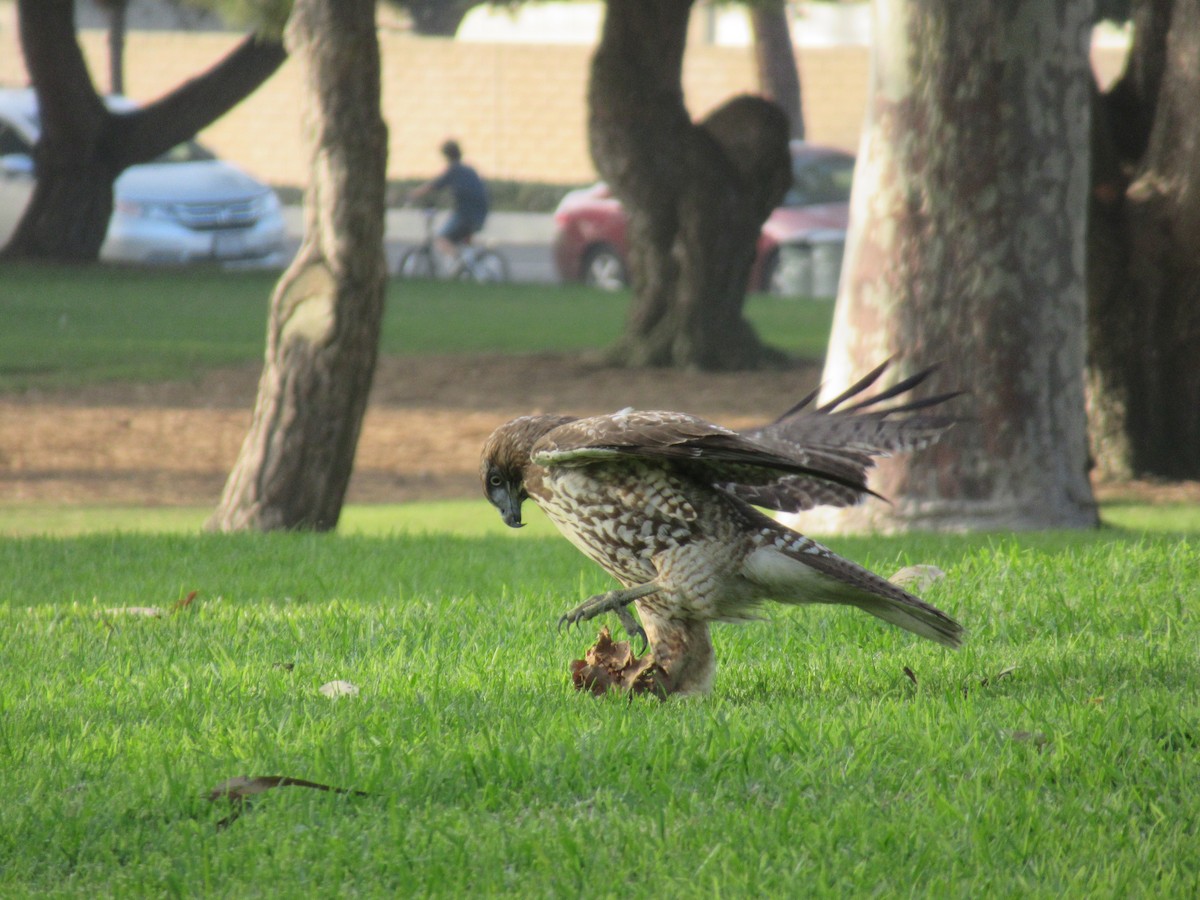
(524, 238)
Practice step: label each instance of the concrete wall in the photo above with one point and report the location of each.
(519, 110)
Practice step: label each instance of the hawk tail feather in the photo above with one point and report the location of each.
(918, 617)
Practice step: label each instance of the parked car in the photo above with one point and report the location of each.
(590, 243)
(185, 206)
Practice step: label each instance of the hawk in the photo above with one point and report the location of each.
(665, 502)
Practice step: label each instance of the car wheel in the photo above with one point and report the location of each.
(604, 268)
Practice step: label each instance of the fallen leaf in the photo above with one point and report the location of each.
(1003, 673)
(917, 578)
(911, 675)
(241, 787)
(151, 611)
(611, 665)
(287, 667)
(184, 602)
(986, 680)
(338, 689)
(1037, 738)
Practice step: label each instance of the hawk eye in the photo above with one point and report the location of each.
(495, 480)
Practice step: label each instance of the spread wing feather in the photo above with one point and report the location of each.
(715, 453)
(810, 456)
(844, 440)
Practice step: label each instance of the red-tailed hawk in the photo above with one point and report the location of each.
(662, 500)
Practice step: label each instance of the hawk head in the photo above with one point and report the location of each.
(506, 455)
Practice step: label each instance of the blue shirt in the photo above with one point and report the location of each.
(470, 195)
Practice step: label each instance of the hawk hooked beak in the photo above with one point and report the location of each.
(510, 511)
(508, 500)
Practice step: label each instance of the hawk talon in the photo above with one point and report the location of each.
(632, 628)
(612, 601)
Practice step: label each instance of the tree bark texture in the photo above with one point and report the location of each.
(775, 59)
(327, 310)
(696, 193)
(84, 147)
(1144, 254)
(967, 249)
(117, 26)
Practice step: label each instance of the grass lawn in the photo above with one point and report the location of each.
(1057, 754)
(816, 768)
(72, 325)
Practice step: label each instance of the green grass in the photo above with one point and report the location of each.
(464, 518)
(817, 768)
(67, 326)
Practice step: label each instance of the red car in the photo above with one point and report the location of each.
(590, 224)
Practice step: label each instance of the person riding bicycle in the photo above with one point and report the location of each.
(470, 199)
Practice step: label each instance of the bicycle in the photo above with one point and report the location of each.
(483, 265)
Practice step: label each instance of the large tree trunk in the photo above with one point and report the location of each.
(438, 17)
(117, 26)
(967, 247)
(775, 58)
(84, 147)
(696, 193)
(326, 314)
(1144, 254)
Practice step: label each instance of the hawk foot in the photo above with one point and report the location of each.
(613, 601)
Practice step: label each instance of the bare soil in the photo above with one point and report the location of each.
(174, 443)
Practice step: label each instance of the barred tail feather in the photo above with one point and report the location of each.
(918, 617)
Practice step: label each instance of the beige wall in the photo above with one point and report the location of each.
(519, 110)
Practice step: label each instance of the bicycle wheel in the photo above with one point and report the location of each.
(488, 267)
(416, 262)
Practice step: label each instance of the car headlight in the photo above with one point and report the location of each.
(138, 210)
(269, 203)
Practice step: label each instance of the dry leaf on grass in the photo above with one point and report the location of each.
(1037, 738)
(917, 578)
(338, 689)
(241, 787)
(184, 602)
(153, 612)
(988, 679)
(612, 665)
(149, 611)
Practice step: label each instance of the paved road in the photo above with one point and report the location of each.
(524, 238)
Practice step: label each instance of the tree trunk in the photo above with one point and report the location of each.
(438, 17)
(775, 58)
(967, 248)
(117, 13)
(326, 313)
(83, 147)
(1144, 254)
(696, 193)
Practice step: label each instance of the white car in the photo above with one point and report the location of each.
(186, 206)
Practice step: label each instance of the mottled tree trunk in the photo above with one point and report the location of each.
(438, 17)
(117, 27)
(696, 193)
(967, 247)
(1144, 254)
(326, 313)
(84, 147)
(775, 58)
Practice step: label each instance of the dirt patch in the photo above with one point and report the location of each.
(174, 443)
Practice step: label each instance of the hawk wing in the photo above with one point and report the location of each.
(716, 454)
(843, 440)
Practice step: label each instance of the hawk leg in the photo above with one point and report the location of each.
(613, 601)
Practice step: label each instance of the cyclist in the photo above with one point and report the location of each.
(470, 199)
